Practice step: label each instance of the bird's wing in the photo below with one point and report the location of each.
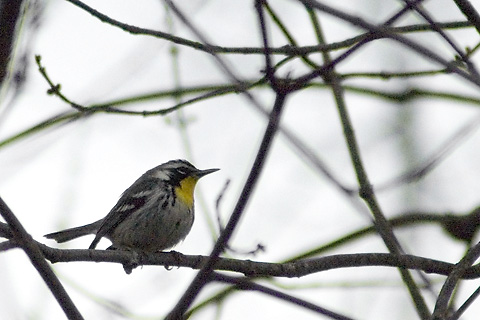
(131, 200)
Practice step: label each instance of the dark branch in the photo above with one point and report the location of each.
(246, 284)
(295, 269)
(31, 248)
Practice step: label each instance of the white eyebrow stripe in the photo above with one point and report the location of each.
(161, 175)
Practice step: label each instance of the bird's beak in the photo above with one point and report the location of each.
(202, 173)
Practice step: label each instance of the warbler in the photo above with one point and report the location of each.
(155, 213)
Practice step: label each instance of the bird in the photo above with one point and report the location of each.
(155, 213)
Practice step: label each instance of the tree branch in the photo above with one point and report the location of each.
(294, 269)
(469, 11)
(287, 50)
(383, 32)
(246, 284)
(9, 15)
(441, 307)
(35, 255)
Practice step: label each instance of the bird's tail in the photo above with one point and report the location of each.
(73, 233)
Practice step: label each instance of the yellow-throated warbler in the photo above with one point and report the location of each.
(154, 214)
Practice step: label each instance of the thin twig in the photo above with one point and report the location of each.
(441, 306)
(55, 88)
(465, 305)
(283, 50)
(435, 159)
(246, 284)
(442, 33)
(382, 32)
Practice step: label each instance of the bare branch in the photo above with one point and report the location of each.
(383, 32)
(294, 269)
(246, 284)
(35, 255)
(441, 307)
(469, 11)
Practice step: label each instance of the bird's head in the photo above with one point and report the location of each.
(183, 176)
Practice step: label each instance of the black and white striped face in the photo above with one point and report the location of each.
(175, 171)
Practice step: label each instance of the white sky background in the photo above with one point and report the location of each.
(74, 175)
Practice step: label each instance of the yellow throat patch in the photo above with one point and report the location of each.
(185, 191)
